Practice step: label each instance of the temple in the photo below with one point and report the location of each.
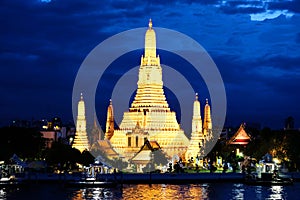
(241, 137)
(149, 116)
(81, 139)
(150, 120)
(240, 140)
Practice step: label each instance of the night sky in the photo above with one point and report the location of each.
(255, 45)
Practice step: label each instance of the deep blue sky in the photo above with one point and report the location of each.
(255, 44)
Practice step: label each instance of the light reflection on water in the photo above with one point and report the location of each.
(163, 191)
(155, 191)
(194, 191)
(2, 194)
(238, 191)
(258, 192)
(277, 192)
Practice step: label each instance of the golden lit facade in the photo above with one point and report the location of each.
(81, 139)
(207, 123)
(197, 137)
(149, 116)
(109, 122)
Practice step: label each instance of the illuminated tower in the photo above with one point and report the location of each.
(197, 138)
(207, 124)
(150, 109)
(197, 121)
(81, 139)
(109, 122)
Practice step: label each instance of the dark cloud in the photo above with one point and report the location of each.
(293, 6)
(229, 9)
(298, 38)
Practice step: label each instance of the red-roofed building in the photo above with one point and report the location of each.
(241, 137)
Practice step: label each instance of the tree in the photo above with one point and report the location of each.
(87, 158)
(25, 142)
(62, 156)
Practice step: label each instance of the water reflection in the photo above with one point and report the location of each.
(163, 191)
(259, 191)
(277, 192)
(156, 191)
(2, 194)
(93, 193)
(238, 191)
(194, 191)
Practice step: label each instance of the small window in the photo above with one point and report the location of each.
(129, 141)
(137, 141)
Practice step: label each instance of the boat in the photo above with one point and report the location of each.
(90, 182)
(101, 184)
(89, 179)
(269, 183)
(267, 179)
(8, 182)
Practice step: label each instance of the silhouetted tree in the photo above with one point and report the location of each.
(62, 156)
(87, 158)
(25, 142)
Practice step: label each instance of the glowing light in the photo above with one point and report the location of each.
(276, 160)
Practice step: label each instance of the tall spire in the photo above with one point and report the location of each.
(150, 45)
(207, 125)
(196, 121)
(150, 23)
(150, 85)
(81, 140)
(197, 139)
(109, 121)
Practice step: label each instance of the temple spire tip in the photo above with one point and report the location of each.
(150, 23)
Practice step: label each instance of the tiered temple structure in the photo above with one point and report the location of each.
(149, 117)
(81, 139)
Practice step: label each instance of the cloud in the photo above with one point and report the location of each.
(269, 14)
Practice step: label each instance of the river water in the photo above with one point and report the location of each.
(155, 191)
